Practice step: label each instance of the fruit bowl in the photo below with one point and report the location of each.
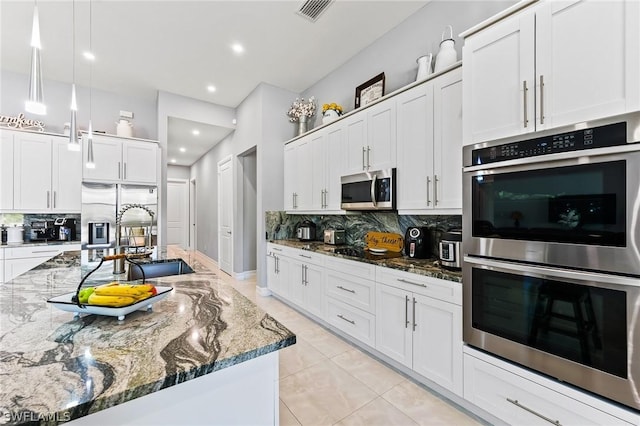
(65, 303)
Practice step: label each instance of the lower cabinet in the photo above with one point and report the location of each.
(520, 397)
(278, 273)
(306, 287)
(419, 329)
(18, 260)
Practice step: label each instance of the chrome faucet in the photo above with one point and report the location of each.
(118, 264)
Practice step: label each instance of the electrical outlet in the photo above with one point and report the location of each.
(126, 114)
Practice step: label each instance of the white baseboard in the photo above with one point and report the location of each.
(263, 291)
(241, 276)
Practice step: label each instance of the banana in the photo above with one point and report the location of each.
(128, 290)
(114, 301)
(144, 296)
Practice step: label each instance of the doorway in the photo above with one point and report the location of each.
(178, 212)
(225, 215)
(192, 215)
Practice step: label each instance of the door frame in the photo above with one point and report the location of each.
(193, 224)
(185, 233)
(221, 163)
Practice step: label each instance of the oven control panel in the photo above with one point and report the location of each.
(596, 137)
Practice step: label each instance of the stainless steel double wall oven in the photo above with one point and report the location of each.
(552, 253)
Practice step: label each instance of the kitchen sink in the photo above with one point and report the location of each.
(158, 268)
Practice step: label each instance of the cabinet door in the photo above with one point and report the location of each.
(304, 175)
(381, 136)
(272, 273)
(277, 275)
(140, 162)
(314, 290)
(290, 171)
(107, 154)
(6, 170)
(498, 62)
(335, 165)
(296, 283)
(66, 177)
(447, 134)
(356, 143)
(415, 148)
(588, 57)
(437, 342)
(318, 169)
(32, 172)
(393, 323)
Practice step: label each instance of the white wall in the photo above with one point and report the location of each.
(249, 210)
(105, 106)
(395, 53)
(178, 172)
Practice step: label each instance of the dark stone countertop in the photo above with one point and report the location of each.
(55, 366)
(428, 267)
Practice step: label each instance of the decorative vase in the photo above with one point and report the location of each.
(329, 115)
(424, 66)
(447, 55)
(303, 124)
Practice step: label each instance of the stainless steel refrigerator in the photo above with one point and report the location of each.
(103, 205)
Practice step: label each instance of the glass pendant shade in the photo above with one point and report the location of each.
(74, 143)
(90, 163)
(35, 103)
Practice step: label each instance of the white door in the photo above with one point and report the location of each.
(225, 215)
(32, 172)
(192, 215)
(177, 212)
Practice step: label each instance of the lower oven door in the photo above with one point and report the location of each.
(579, 327)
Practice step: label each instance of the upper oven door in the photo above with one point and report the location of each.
(579, 211)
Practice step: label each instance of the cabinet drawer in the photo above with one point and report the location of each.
(351, 267)
(517, 400)
(32, 251)
(447, 291)
(349, 289)
(306, 256)
(278, 249)
(352, 321)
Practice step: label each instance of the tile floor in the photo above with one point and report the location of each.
(326, 381)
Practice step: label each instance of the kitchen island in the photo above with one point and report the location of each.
(205, 354)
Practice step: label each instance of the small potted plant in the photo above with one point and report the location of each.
(301, 111)
(330, 112)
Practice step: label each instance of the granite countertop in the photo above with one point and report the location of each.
(428, 267)
(39, 243)
(57, 367)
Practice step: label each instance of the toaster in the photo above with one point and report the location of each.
(334, 236)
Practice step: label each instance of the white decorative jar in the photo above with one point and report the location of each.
(124, 128)
(447, 55)
(329, 115)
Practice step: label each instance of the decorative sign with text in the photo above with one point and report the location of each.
(20, 122)
(384, 240)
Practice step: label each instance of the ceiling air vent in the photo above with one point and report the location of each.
(312, 9)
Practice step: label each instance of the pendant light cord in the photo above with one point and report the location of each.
(90, 62)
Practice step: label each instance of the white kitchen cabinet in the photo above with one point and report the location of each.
(318, 170)
(381, 135)
(278, 266)
(429, 175)
(520, 397)
(553, 64)
(298, 173)
(418, 326)
(6, 170)
(327, 153)
(32, 172)
(356, 142)
(66, 177)
(306, 281)
(121, 160)
(18, 260)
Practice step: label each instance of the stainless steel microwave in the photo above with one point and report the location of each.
(372, 190)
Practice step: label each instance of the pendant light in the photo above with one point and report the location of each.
(35, 103)
(74, 143)
(90, 163)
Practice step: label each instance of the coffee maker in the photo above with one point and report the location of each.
(65, 229)
(43, 230)
(417, 242)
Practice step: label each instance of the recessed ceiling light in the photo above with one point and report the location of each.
(237, 47)
(173, 160)
(234, 121)
(183, 149)
(195, 132)
(89, 56)
(211, 88)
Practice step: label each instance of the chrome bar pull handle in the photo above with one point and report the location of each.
(428, 194)
(346, 319)
(414, 314)
(543, 417)
(125, 171)
(48, 199)
(118, 170)
(524, 91)
(402, 280)
(541, 99)
(363, 151)
(435, 190)
(406, 311)
(368, 157)
(54, 199)
(373, 190)
(346, 289)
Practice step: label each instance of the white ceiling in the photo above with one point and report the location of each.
(183, 46)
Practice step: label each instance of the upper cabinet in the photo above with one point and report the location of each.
(39, 173)
(122, 160)
(553, 64)
(429, 128)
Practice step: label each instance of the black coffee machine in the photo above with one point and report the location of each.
(65, 229)
(417, 242)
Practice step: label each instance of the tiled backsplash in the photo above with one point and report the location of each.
(25, 220)
(280, 225)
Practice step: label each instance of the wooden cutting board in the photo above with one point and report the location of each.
(384, 240)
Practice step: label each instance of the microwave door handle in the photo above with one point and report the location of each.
(373, 190)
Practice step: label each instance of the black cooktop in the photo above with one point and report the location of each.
(365, 254)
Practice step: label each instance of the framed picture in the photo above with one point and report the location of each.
(370, 91)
